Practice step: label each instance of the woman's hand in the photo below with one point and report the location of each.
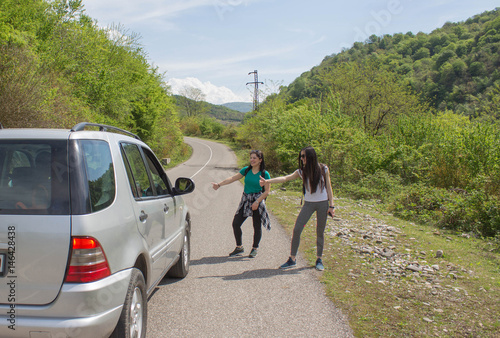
(255, 205)
(215, 185)
(331, 211)
(262, 181)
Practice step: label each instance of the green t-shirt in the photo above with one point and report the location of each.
(252, 180)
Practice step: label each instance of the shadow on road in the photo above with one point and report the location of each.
(250, 274)
(215, 260)
(260, 273)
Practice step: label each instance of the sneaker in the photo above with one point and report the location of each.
(253, 253)
(290, 263)
(319, 265)
(237, 251)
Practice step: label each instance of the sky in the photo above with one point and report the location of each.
(217, 45)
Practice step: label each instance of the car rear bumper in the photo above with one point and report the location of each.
(80, 310)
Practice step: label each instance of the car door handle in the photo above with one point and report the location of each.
(165, 208)
(143, 216)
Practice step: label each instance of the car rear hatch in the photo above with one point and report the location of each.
(35, 223)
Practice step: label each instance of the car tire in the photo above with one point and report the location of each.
(181, 268)
(133, 319)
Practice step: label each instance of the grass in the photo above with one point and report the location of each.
(461, 300)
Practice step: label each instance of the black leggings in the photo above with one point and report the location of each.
(257, 227)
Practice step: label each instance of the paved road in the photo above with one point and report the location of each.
(238, 296)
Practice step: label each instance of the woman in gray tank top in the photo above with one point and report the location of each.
(318, 197)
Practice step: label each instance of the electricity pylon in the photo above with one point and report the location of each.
(256, 89)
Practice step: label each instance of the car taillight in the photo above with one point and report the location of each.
(88, 262)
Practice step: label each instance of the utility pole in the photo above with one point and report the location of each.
(256, 89)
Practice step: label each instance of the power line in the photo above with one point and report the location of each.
(256, 89)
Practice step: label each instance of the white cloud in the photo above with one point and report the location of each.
(214, 94)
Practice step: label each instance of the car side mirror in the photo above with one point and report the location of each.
(183, 185)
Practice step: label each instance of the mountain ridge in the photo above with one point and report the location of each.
(218, 111)
(243, 107)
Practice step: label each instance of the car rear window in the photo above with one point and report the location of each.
(34, 177)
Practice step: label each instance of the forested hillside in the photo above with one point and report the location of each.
(410, 121)
(243, 107)
(200, 118)
(225, 114)
(188, 107)
(57, 68)
(455, 67)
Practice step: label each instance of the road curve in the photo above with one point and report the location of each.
(237, 297)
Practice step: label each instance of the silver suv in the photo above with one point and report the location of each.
(89, 225)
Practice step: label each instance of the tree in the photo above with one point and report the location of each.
(422, 53)
(192, 101)
(372, 94)
(492, 106)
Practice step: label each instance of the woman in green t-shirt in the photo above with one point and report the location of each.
(252, 202)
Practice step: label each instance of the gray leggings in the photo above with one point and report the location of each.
(305, 214)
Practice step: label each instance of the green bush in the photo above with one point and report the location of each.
(454, 209)
(476, 212)
(190, 126)
(380, 185)
(211, 128)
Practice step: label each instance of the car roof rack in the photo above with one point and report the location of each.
(102, 127)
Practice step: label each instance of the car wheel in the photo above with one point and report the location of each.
(181, 268)
(133, 318)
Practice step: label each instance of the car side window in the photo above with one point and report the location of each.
(155, 169)
(133, 186)
(100, 173)
(137, 171)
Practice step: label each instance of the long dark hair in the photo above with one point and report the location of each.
(312, 171)
(260, 155)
